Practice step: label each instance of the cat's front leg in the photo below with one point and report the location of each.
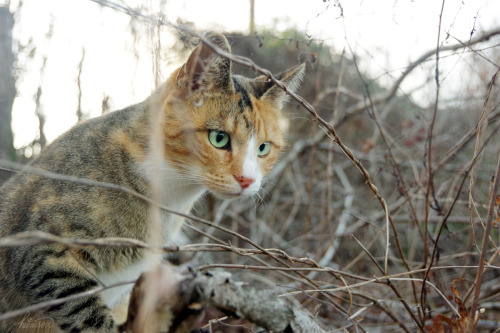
(51, 274)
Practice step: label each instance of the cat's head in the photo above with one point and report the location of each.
(225, 131)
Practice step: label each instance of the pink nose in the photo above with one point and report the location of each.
(245, 182)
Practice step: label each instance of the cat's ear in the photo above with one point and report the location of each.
(269, 92)
(205, 69)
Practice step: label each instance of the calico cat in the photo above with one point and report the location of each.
(220, 133)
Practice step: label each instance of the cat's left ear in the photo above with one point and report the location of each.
(271, 93)
(205, 69)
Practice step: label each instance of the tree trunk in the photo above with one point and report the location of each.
(252, 17)
(7, 88)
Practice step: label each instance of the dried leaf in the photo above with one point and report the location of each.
(437, 323)
(460, 324)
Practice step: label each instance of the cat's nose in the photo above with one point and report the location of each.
(245, 182)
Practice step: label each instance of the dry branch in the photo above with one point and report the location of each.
(179, 305)
(489, 222)
(361, 106)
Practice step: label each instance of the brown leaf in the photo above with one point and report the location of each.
(437, 323)
(460, 324)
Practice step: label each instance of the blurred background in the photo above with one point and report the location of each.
(410, 87)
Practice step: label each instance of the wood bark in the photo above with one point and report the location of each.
(166, 301)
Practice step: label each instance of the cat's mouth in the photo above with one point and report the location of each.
(233, 189)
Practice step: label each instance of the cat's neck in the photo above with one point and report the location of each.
(172, 189)
(178, 192)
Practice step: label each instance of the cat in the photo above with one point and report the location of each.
(221, 133)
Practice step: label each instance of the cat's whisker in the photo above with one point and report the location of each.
(266, 181)
(260, 197)
(301, 118)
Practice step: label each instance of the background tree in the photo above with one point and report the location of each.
(7, 88)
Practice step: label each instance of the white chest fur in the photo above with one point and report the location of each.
(173, 189)
(177, 195)
(114, 295)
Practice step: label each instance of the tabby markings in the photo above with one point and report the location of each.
(245, 98)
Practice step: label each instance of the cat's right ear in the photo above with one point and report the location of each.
(206, 69)
(269, 92)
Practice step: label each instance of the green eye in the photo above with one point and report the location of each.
(264, 149)
(219, 139)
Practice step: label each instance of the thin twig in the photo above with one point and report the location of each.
(484, 248)
(430, 174)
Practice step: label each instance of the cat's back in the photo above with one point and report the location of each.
(104, 149)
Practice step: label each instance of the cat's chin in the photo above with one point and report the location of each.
(233, 196)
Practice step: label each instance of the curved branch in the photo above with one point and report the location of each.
(361, 106)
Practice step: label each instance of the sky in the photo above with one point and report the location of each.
(390, 33)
